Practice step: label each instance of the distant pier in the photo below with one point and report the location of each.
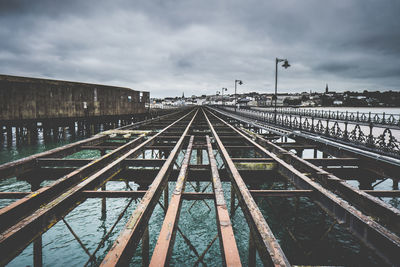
(29, 105)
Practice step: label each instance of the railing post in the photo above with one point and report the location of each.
(383, 118)
(327, 128)
(312, 124)
(370, 141)
(300, 126)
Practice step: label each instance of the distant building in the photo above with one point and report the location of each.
(326, 89)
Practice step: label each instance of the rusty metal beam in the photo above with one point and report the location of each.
(165, 242)
(204, 195)
(229, 250)
(55, 162)
(281, 193)
(113, 194)
(127, 241)
(335, 162)
(197, 195)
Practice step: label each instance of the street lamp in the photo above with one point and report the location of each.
(285, 65)
(223, 89)
(240, 83)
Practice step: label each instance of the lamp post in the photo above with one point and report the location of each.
(285, 65)
(216, 96)
(240, 83)
(223, 89)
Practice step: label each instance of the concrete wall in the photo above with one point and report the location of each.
(24, 98)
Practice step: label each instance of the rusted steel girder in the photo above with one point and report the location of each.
(384, 213)
(229, 250)
(385, 243)
(127, 241)
(268, 247)
(54, 162)
(17, 237)
(165, 243)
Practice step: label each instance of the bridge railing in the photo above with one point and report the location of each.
(383, 138)
(383, 118)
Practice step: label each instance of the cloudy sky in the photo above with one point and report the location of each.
(172, 46)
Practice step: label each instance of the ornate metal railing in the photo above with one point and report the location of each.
(382, 138)
(363, 118)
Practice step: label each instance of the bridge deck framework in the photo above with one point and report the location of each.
(171, 158)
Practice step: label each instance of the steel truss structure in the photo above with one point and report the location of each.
(160, 151)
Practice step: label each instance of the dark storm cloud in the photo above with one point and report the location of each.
(168, 47)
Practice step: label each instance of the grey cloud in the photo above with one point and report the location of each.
(168, 47)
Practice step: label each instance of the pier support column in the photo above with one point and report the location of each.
(103, 204)
(71, 129)
(29, 134)
(252, 250)
(9, 134)
(199, 156)
(232, 201)
(37, 243)
(199, 159)
(37, 252)
(1, 134)
(395, 184)
(35, 132)
(18, 133)
(56, 132)
(64, 132)
(145, 247)
(166, 196)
